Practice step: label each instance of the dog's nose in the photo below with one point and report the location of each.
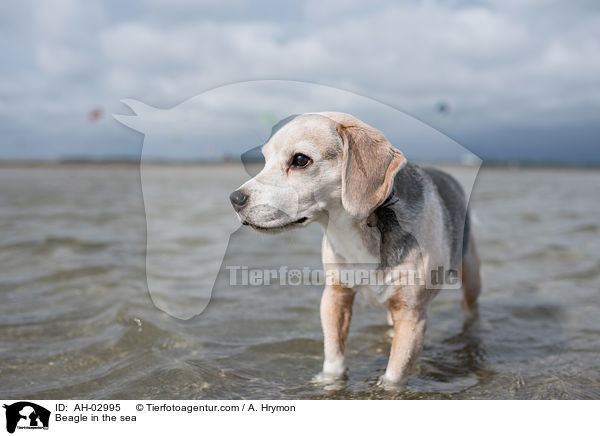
(238, 199)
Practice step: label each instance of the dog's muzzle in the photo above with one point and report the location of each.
(238, 199)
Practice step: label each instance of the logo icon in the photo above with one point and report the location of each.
(26, 415)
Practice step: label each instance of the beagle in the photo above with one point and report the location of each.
(378, 211)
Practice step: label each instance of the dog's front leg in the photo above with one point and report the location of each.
(409, 331)
(336, 311)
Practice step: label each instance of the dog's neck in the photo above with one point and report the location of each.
(352, 239)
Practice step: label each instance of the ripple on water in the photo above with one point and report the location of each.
(77, 320)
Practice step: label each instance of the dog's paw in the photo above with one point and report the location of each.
(389, 384)
(332, 371)
(330, 382)
(325, 378)
(470, 311)
(336, 368)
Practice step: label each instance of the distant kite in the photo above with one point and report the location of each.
(269, 117)
(95, 115)
(442, 107)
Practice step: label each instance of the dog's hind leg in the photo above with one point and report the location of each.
(390, 320)
(471, 280)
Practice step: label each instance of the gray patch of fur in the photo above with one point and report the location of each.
(456, 216)
(397, 216)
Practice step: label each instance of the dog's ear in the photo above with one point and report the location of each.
(368, 170)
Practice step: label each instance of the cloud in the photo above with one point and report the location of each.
(499, 65)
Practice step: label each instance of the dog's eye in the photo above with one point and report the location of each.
(300, 161)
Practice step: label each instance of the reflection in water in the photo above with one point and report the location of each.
(467, 350)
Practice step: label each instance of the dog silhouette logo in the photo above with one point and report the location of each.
(26, 415)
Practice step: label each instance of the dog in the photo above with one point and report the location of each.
(376, 209)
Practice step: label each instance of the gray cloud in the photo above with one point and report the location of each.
(519, 69)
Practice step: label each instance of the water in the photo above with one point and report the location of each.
(77, 321)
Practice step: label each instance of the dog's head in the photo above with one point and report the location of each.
(317, 163)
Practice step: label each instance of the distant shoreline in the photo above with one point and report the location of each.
(37, 163)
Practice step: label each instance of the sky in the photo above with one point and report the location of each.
(519, 80)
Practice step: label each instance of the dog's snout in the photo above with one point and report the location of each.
(238, 199)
